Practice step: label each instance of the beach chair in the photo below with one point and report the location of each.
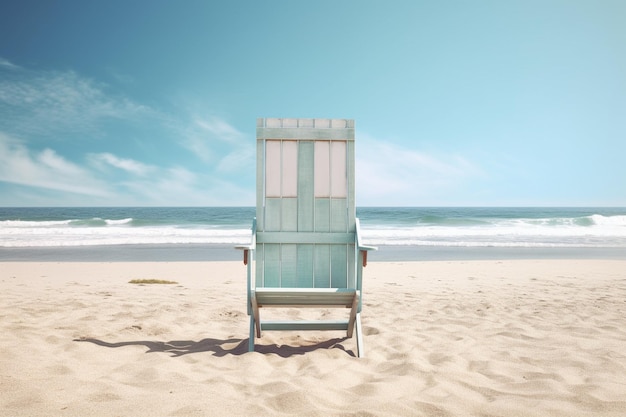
(306, 250)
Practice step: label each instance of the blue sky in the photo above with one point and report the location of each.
(457, 103)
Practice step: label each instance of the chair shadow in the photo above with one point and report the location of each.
(221, 347)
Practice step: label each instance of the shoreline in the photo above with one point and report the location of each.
(227, 252)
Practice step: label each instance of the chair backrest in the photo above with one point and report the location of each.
(305, 218)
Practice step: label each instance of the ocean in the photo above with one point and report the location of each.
(403, 233)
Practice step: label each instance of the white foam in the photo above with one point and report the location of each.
(117, 235)
(34, 224)
(591, 231)
(619, 221)
(118, 222)
(602, 232)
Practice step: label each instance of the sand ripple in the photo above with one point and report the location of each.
(498, 338)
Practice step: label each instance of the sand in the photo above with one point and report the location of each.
(460, 338)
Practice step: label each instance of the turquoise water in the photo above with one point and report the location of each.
(592, 227)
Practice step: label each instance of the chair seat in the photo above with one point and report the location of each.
(305, 297)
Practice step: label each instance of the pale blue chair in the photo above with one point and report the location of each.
(306, 247)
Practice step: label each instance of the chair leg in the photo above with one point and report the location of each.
(255, 314)
(359, 337)
(252, 331)
(353, 313)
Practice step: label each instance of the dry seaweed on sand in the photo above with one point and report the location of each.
(151, 281)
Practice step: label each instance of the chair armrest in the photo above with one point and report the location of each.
(362, 248)
(246, 250)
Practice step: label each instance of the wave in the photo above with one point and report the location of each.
(93, 222)
(396, 228)
(601, 220)
(33, 223)
(451, 221)
(585, 231)
(491, 244)
(93, 236)
(583, 221)
(119, 222)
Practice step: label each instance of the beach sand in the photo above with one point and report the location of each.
(458, 338)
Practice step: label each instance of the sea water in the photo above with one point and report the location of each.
(425, 228)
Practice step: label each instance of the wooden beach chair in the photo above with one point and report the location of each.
(306, 247)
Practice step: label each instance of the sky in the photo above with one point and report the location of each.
(456, 103)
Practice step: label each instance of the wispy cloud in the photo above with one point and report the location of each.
(390, 174)
(177, 185)
(92, 183)
(208, 137)
(128, 165)
(46, 169)
(8, 64)
(140, 157)
(238, 160)
(219, 129)
(166, 186)
(48, 102)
